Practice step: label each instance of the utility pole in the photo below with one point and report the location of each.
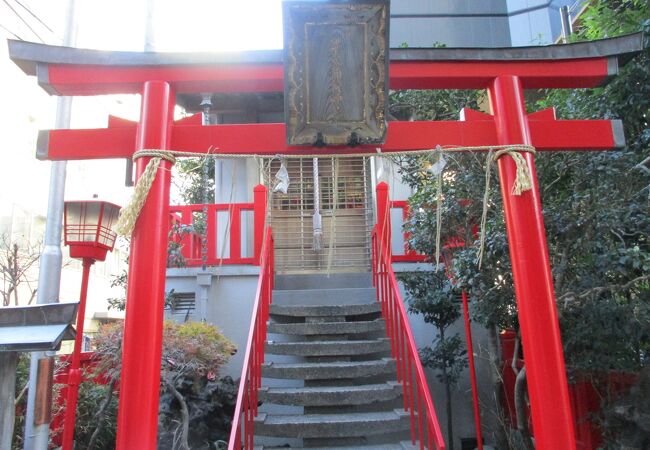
(149, 46)
(150, 34)
(37, 420)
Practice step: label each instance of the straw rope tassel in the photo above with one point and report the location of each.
(523, 182)
(130, 213)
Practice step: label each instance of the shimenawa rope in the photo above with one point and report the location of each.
(523, 179)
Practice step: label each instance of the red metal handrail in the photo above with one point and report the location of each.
(417, 398)
(251, 377)
(425, 428)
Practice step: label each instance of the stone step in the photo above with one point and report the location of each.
(316, 281)
(329, 370)
(400, 446)
(327, 327)
(331, 425)
(328, 348)
(332, 395)
(325, 310)
(338, 296)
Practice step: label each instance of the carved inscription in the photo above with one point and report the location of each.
(335, 72)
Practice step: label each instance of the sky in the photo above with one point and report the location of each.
(190, 25)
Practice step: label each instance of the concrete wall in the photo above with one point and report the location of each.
(471, 23)
(230, 296)
(455, 23)
(535, 22)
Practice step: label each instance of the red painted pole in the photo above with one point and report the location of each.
(137, 423)
(540, 331)
(383, 217)
(74, 374)
(472, 373)
(259, 220)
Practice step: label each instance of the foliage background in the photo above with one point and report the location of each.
(596, 208)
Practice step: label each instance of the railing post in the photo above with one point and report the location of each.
(259, 218)
(186, 241)
(383, 217)
(235, 232)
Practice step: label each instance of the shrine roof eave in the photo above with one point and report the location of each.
(623, 48)
(55, 66)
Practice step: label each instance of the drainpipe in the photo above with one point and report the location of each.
(567, 27)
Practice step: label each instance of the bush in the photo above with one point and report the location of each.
(192, 394)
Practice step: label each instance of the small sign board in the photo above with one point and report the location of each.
(336, 71)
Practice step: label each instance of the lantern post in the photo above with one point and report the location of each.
(88, 233)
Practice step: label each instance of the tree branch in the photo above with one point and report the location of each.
(99, 416)
(185, 415)
(520, 408)
(600, 289)
(515, 355)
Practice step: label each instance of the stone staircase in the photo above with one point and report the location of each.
(329, 381)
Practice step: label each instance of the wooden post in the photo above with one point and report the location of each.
(8, 363)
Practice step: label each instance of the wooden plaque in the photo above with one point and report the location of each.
(336, 72)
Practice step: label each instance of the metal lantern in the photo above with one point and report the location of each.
(88, 233)
(88, 228)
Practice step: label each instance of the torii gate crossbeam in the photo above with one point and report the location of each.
(505, 73)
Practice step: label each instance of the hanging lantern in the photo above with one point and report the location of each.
(88, 228)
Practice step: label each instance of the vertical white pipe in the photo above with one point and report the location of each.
(49, 280)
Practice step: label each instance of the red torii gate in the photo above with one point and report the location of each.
(505, 73)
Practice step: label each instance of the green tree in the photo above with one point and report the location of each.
(196, 180)
(461, 209)
(596, 210)
(596, 215)
(432, 295)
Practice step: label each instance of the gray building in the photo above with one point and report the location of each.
(477, 23)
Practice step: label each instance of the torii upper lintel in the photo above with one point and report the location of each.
(71, 71)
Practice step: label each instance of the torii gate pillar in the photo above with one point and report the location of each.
(531, 271)
(137, 419)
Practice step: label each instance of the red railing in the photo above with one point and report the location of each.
(251, 378)
(409, 254)
(191, 245)
(425, 429)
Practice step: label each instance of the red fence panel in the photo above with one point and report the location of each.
(186, 219)
(408, 255)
